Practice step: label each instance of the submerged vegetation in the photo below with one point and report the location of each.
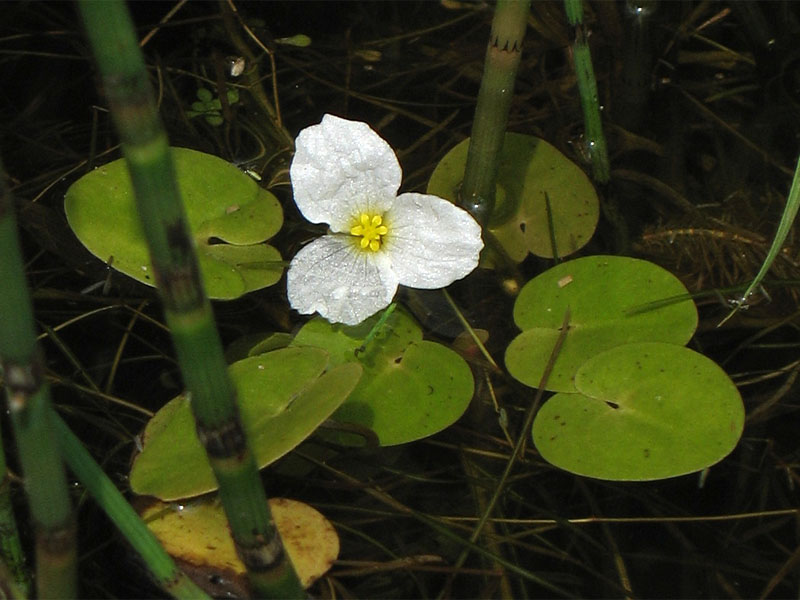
(428, 428)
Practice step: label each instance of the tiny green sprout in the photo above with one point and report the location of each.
(300, 40)
(204, 95)
(210, 107)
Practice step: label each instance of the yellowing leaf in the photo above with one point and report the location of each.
(197, 535)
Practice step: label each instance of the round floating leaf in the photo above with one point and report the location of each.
(197, 535)
(644, 411)
(607, 298)
(283, 397)
(529, 170)
(229, 215)
(411, 388)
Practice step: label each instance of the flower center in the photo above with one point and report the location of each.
(370, 229)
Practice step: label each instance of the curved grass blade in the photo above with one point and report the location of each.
(789, 214)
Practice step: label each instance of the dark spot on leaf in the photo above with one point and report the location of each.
(557, 417)
(613, 405)
(398, 360)
(430, 390)
(522, 227)
(646, 452)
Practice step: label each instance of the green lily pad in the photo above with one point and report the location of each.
(528, 169)
(604, 295)
(411, 388)
(229, 215)
(645, 411)
(283, 397)
(253, 344)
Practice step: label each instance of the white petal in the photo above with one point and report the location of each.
(431, 241)
(340, 169)
(344, 284)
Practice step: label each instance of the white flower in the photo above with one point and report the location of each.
(344, 174)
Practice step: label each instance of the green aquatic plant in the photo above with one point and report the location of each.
(28, 403)
(545, 204)
(229, 216)
(186, 306)
(210, 108)
(162, 568)
(283, 396)
(503, 53)
(594, 138)
(345, 175)
(411, 387)
(778, 240)
(632, 402)
(641, 411)
(600, 292)
(606, 334)
(12, 556)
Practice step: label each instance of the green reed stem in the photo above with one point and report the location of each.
(11, 554)
(494, 102)
(587, 88)
(387, 312)
(186, 306)
(28, 397)
(139, 536)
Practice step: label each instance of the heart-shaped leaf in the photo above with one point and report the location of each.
(529, 173)
(644, 411)
(229, 215)
(411, 388)
(283, 397)
(607, 297)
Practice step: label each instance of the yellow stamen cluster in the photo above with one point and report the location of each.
(371, 229)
